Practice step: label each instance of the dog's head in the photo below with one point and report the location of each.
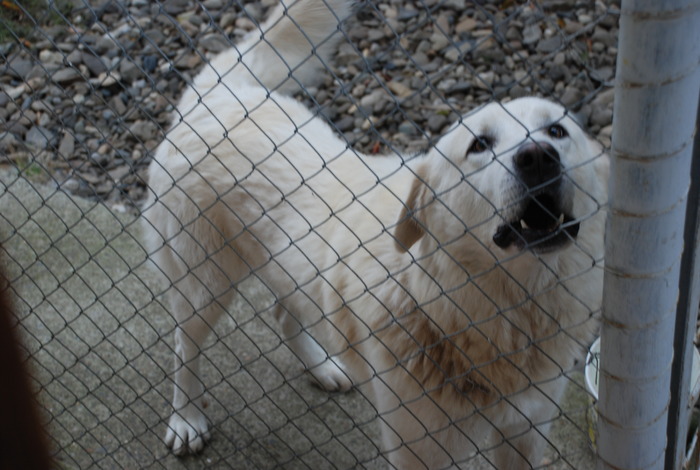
(507, 178)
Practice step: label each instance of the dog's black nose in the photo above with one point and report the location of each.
(537, 163)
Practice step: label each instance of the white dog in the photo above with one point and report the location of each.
(456, 288)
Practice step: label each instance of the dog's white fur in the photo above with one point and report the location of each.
(456, 339)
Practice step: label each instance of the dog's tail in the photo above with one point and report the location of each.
(288, 49)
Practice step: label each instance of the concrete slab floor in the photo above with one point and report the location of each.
(101, 347)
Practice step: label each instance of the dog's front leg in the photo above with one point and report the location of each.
(188, 429)
(416, 432)
(326, 370)
(525, 425)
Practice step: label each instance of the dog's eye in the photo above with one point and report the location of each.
(557, 131)
(480, 144)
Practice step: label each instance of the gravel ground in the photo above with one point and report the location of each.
(85, 101)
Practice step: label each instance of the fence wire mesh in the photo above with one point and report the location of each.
(88, 92)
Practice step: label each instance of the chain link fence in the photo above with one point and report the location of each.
(88, 91)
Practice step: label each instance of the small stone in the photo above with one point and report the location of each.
(175, 7)
(484, 80)
(74, 58)
(66, 76)
(213, 4)
(39, 71)
(572, 27)
(99, 159)
(15, 92)
(120, 30)
(367, 124)
(546, 85)
(408, 128)
(466, 25)
(50, 57)
(550, 44)
(461, 86)
(399, 89)
(604, 99)
(421, 59)
(244, 24)
(602, 74)
(557, 72)
(454, 52)
(518, 92)
(40, 106)
(18, 68)
(436, 122)
(150, 62)
(129, 71)
(601, 117)
(45, 120)
(373, 98)
(227, 19)
(119, 172)
(107, 79)
(345, 124)
(106, 44)
(39, 137)
(188, 61)
(446, 84)
(375, 35)
(8, 141)
(142, 130)
(572, 96)
(36, 83)
(439, 40)
(71, 185)
(458, 5)
(585, 18)
(532, 34)
(14, 126)
(604, 36)
(67, 145)
(155, 35)
(214, 43)
(405, 14)
(117, 105)
(94, 64)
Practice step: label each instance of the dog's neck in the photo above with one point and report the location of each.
(439, 271)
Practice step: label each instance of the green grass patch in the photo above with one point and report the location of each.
(20, 19)
(28, 167)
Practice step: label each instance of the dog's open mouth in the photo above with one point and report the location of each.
(542, 226)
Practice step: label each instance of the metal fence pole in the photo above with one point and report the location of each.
(686, 320)
(658, 80)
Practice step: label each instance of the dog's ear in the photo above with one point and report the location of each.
(409, 229)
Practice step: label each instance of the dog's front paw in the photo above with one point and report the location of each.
(187, 431)
(331, 376)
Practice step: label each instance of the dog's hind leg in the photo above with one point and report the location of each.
(327, 371)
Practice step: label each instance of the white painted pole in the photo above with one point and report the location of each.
(656, 98)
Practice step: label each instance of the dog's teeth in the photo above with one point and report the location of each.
(523, 224)
(561, 219)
